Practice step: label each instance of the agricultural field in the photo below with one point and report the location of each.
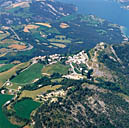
(58, 68)
(6, 67)
(4, 122)
(29, 27)
(29, 75)
(24, 108)
(44, 24)
(17, 46)
(4, 76)
(58, 45)
(61, 39)
(3, 35)
(33, 94)
(9, 43)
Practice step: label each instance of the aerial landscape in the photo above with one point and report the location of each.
(64, 64)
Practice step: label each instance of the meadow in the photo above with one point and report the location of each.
(58, 68)
(6, 67)
(4, 122)
(33, 94)
(4, 76)
(28, 75)
(24, 108)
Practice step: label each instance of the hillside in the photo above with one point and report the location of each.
(87, 89)
(100, 102)
(61, 69)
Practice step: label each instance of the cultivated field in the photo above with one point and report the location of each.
(33, 94)
(59, 68)
(4, 123)
(30, 74)
(4, 76)
(44, 24)
(58, 45)
(24, 108)
(17, 46)
(29, 27)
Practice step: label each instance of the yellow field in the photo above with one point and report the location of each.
(3, 35)
(2, 50)
(45, 24)
(4, 76)
(64, 25)
(16, 46)
(33, 94)
(3, 54)
(22, 4)
(29, 27)
(1, 32)
(59, 45)
(10, 41)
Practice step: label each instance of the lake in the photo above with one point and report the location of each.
(107, 9)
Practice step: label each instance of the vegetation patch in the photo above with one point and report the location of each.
(10, 41)
(33, 94)
(4, 76)
(59, 45)
(61, 39)
(4, 122)
(28, 75)
(6, 67)
(56, 68)
(4, 35)
(24, 108)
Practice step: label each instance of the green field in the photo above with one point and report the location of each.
(4, 76)
(4, 123)
(27, 76)
(6, 67)
(24, 108)
(58, 68)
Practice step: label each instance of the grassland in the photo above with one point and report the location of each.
(4, 76)
(58, 45)
(59, 68)
(33, 94)
(60, 39)
(30, 74)
(4, 35)
(6, 67)
(4, 123)
(24, 108)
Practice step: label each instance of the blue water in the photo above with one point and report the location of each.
(107, 9)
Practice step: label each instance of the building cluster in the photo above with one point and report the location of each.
(51, 59)
(81, 57)
(52, 95)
